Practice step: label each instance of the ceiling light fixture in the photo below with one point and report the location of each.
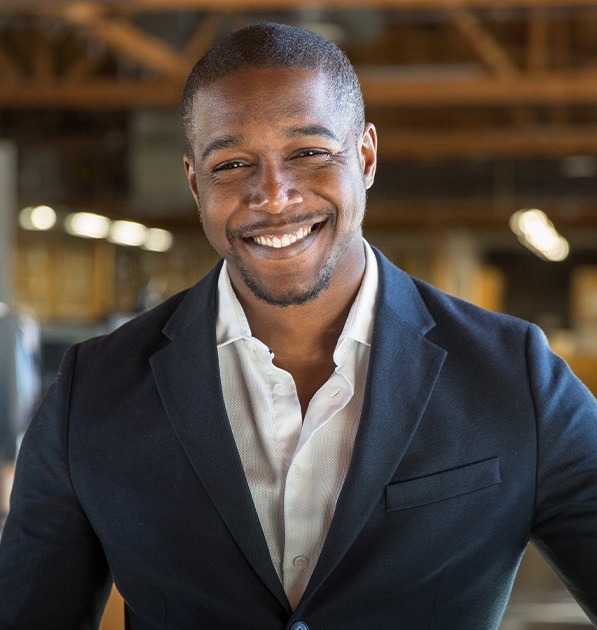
(87, 225)
(127, 233)
(537, 233)
(37, 218)
(157, 240)
(97, 226)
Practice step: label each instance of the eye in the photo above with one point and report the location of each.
(306, 153)
(229, 166)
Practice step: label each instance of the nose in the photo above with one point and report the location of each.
(273, 190)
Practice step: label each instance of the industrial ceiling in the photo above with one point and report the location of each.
(462, 92)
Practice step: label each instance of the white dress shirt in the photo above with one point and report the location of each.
(295, 468)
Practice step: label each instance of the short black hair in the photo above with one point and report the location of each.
(278, 46)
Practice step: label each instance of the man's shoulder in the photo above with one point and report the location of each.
(147, 332)
(445, 314)
(445, 307)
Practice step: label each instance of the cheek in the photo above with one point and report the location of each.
(352, 196)
(217, 201)
(213, 227)
(215, 209)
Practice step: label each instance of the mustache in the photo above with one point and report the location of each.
(268, 224)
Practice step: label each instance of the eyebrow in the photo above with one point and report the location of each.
(220, 143)
(311, 130)
(296, 132)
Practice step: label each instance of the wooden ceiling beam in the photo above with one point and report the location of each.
(80, 68)
(381, 88)
(203, 37)
(387, 88)
(92, 94)
(43, 58)
(139, 6)
(9, 71)
(129, 40)
(494, 56)
(538, 42)
(530, 142)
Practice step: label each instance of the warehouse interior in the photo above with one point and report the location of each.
(487, 122)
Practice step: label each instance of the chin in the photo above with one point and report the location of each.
(290, 297)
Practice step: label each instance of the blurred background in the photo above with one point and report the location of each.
(486, 186)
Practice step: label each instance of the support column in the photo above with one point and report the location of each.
(8, 208)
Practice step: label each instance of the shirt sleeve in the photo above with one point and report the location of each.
(565, 521)
(53, 573)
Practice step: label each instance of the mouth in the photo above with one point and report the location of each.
(279, 241)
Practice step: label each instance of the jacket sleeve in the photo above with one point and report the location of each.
(53, 573)
(565, 521)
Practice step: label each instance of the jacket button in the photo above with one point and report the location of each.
(299, 625)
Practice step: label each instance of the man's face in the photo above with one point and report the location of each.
(280, 175)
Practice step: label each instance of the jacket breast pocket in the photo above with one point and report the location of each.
(442, 485)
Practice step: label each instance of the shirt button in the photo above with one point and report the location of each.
(300, 562)
(278, 388)
(296, 471)
(299, 625)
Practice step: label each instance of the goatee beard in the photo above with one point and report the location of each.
(291, 298)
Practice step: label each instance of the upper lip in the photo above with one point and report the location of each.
(279, 229)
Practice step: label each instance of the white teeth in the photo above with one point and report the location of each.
(283, 241)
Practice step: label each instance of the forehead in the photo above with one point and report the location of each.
(276, 98)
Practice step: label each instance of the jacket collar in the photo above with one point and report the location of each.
(403, 369)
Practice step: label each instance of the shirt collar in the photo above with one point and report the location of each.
(232, 324)
(359, 323)
(231, 321)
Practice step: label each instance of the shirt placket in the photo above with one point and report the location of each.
(307, 494)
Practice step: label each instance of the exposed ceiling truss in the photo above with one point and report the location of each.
(444, 80)
(517, 79)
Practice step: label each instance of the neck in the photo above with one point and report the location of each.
(303, 338)
(314, 327)
(310, 328)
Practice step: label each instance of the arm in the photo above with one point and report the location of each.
(53, 573)
(565, 522)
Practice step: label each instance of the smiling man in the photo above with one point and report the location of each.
(280, 178)
(308, 438)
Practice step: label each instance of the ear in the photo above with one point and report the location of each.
(189, 167)
(368, 154)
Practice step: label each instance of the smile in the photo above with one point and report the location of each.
(283, 240)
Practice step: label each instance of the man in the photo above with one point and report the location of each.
(308, 438)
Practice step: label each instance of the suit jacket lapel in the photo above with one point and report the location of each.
(188, 379)
(403, 369)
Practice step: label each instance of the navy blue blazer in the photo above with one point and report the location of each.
(474, 439)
